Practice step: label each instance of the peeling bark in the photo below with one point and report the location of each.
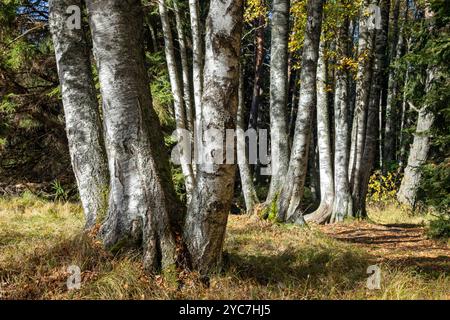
(208, 211)
(143, 206)
(81, 110)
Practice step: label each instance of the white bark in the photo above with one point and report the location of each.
(293, 187)
(323, 213)
(81, 110)
(343, 205)
(177, 91)
(208, 211)
(142, 203)
(278, 96)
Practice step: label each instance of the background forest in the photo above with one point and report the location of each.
(354, 97)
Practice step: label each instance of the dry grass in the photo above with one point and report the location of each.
(39, 240)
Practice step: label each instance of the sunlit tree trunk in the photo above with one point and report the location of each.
(418, 153)
(323, 213)
(363, 84)
(278, 96)
(372, 136)
(343, 205)
(198, 57)
(177, 91)
(293, 187)
(143, 206)
(187, 81)
(208, 211)
(81, 110)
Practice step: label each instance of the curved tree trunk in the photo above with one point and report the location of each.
(81, 110)
(177, 92)
(293, 187)
(323, 213)
(343, 205)
(142, 203)
(278, 96)
(208, 211)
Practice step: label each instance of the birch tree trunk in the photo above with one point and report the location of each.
(293, 187)
(372, 136)
(142, 203)
(198, 57)
(187, 81)
(363, 84)
(248, 188)
(259, 59)
(323, 213)
(343, 205)
(422, 138)
(177, 92)
(278, 96)
(208, 211)
(81, 110)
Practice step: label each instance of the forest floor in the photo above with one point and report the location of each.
(39, 240)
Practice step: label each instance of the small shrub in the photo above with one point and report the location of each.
(439, 229)
(383, 188)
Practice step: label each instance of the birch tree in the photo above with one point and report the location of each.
(143, 207)
(294, 182)
(343, 204)
(177, 92)
(208, 211)
(81, 110)
(278, 96)
(323, 213)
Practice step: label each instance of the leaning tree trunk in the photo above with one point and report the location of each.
(278, 96)
(248, 187)
(208, 211)
(368, 159)
(342, 206)
(142, 203)
(293, 187)
(363, 84)
(323, 213)
(81, 110)
(177, 92)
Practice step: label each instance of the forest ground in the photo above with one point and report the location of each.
(39, 240)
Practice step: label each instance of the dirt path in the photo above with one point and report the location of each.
(397, 245)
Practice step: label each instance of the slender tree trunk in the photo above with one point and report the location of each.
(278, 96)
(259, 60)
(187, 81)
(208, 211)
(323, 213)
(293, 186)
(363, 84)
(198, 57)
(82, 113)
(392, 99)
(142, 203)
(177, 92)
(248, 188)
(343, 205)
(381, 44)
(422, 138)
